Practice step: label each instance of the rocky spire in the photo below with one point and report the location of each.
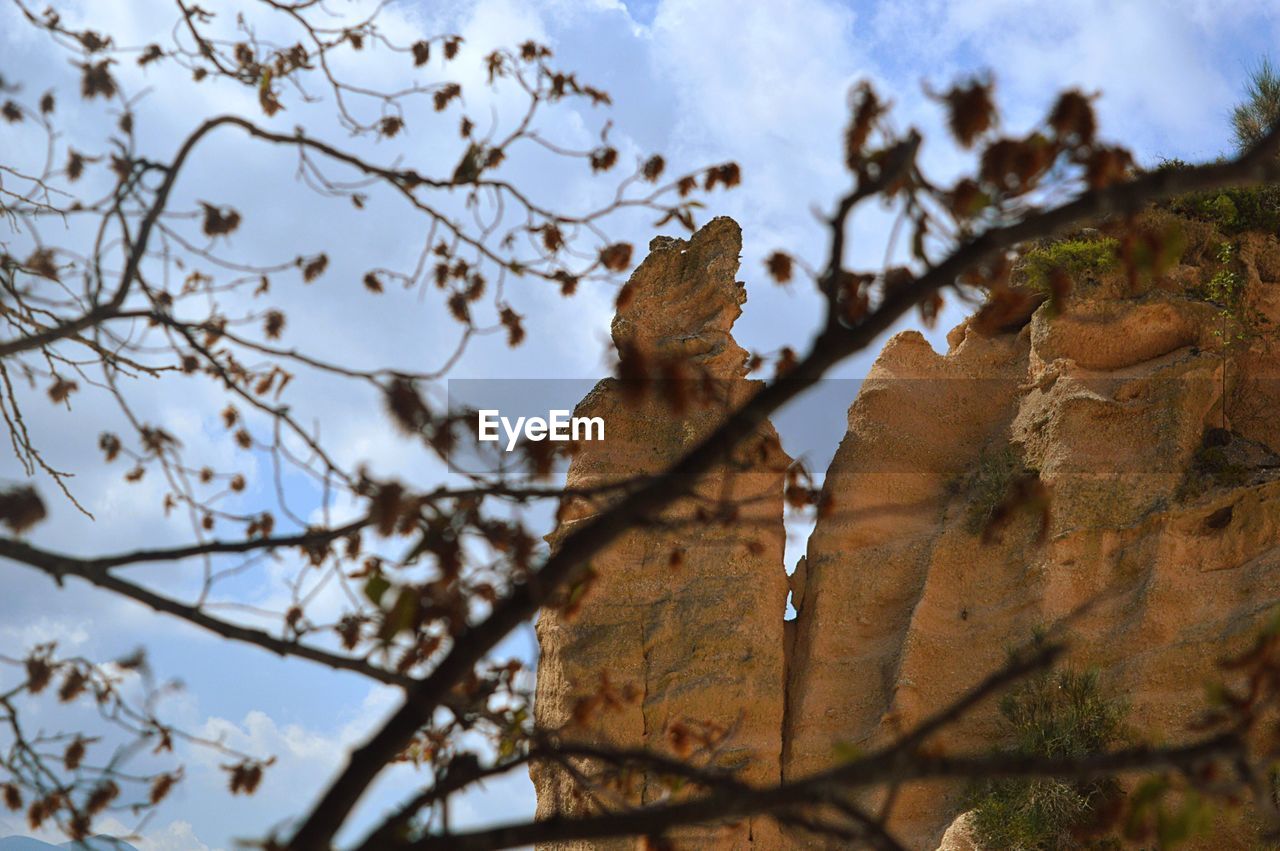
(680, 633)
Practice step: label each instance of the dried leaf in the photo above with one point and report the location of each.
(161, 786)
(41, 262)
(219, 221)
(110, 445)
(314, 267)
(273, 324)
(74, 754)
(970, 111)
(61, 389)
(21, 508)
(616, 257)
(865, 109)
(390, 125)
(96, 79)
(511, 321)
(779, 265)
(153, 53)
(75, 165)
(441, 97)
(653, 168)
(73, 685)
(603, 159)
(406, 406)
(1072, 118)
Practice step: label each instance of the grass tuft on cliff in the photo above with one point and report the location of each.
(1065, 713)
(1233, 211)
(1083, 258)
(988, 484)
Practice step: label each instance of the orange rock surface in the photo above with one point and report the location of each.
(688, 616)
(1164, 546)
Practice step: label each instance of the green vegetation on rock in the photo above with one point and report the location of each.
(1082, 258)
(1254, 208)
(1066, 714)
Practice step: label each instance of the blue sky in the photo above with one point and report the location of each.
(701, 81)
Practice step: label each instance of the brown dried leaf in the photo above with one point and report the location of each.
(779, 265)
(96, 79)
(73, 685)
(245, 777)
(219, 221)
(75, 165)
(603, 159)
(511, 321)
(865, 108)
(653, 168)
(61, 389)
(616, 257)
(41, 263)
(970, 110)
(273, 324)
(390, 125)
(161, 786)
(21, 508)
(1072, 118)
(406, 406)
(74, 754)
(441, 97)
(314, 267)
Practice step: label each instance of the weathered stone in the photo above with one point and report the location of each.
(690, 616)
(905, 608)
(1149, 418)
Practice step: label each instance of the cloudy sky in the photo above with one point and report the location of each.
(702, 81)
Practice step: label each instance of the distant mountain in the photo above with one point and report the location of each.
(24, 843)
(94, 843)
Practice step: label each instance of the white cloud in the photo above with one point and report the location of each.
(1153, 63)
(177, 835)
(67, 633)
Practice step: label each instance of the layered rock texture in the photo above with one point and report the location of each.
(1147, 412)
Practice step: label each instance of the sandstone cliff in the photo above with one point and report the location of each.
(905, 606)
(684, 622)
(1147, 412)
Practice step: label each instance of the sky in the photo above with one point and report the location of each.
(702, 81)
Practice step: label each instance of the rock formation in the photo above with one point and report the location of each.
(1147, 413)
(680, 635)
(905, 607)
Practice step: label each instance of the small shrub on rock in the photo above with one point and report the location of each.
(1084, 259)
(1065, 713)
